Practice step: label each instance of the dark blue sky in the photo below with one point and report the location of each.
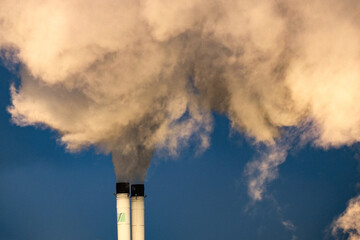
(46, 193)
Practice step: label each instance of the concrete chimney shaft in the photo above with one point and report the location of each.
(123, 211)
(137, 211)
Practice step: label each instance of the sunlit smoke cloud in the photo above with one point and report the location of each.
(133, 76)
(349, 221)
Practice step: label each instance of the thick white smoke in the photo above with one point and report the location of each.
(130, 76)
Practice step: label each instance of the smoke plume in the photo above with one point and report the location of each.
(131, 76)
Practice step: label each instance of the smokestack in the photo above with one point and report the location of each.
(123, 210)
(137, 211)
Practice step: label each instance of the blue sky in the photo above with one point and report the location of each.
(48, 193)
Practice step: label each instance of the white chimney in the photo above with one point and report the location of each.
(123, 211)
(137, 211)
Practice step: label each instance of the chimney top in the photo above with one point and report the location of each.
(137, 190)
(122, 187)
